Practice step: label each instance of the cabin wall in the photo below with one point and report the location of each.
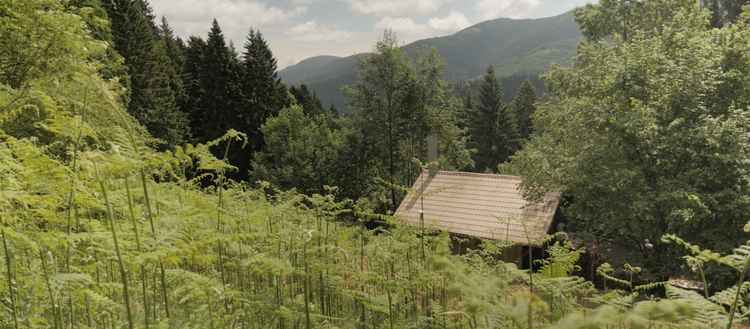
(516, 254)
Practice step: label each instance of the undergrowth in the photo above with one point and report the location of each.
(120, 237)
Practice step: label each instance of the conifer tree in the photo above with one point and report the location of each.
(216, 80)
(212, 78)
(263, 93)
(152, 99)
(523, 107)
(192, 83)
(492, 126)
(175, 50)
(308, 100)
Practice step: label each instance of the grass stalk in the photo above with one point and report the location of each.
(9, 276)
(306, 285)
(120, 263)
(134, 223)
(150, 215)
(50, 292)
(738, 295)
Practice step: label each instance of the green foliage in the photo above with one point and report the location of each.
(153, 79)
(100, 230)
(397, 105)
(647, 132)
(50, 88)
(301, 151)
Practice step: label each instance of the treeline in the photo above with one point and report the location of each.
(197, 90)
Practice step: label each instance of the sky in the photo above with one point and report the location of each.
(298, 29)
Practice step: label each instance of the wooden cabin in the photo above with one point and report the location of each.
(482, 206)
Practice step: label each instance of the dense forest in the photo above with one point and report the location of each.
(150, 181)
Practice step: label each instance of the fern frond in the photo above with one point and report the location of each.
(707, 313)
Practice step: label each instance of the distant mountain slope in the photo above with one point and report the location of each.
(515, 47)
(307, 68)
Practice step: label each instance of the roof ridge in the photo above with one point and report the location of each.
(464, 173)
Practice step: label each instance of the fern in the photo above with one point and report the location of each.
(708, 314)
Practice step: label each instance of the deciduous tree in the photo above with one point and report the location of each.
(648, 132)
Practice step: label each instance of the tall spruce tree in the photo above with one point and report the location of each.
(192, 74)
(263, 93)
(152, 99)
(212, 76)
(492, 126)
(523, 108)
(175, 50)
(216, 109)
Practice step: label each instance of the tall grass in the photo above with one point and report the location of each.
(233, 256)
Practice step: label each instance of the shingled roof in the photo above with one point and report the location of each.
(480, 205)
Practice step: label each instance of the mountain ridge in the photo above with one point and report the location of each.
(515, 47)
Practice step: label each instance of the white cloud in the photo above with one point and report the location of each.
(407, 29)
(491, 9)
(311, 31)
(396, 7)
(453, 22)
(401, 25)
(193, 17)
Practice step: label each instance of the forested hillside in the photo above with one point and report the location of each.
(518, 49)
(180, 184)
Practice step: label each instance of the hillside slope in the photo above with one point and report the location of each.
(516, 47)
